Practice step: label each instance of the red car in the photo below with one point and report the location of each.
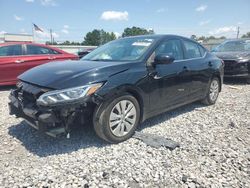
(16, 58)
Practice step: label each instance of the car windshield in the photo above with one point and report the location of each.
(127, 49)
(237, 45)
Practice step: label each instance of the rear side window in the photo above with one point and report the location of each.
(202, 51)
(38, 50)
(192, 50)
(13, 50)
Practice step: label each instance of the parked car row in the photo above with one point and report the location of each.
(122, 83)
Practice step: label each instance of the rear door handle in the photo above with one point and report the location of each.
(210, 64)
(19, 61)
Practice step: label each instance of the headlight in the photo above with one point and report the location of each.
(67, 95)
(243, 60)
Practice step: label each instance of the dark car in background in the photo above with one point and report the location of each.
(84, 52)
(118, 86)
(18, 57)
(236, 56)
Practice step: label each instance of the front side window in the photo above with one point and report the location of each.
(13, 50)
(127, 49)
(38, 50)
(171, 47)
(192, 50)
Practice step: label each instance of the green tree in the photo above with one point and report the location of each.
(222, 37)
(98, 37)
(247, 35)
(133, 31)
(193, 37)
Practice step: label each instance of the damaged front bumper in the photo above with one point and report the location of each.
(52, 121)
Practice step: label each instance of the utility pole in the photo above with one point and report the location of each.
(238, 32)
(51, 38)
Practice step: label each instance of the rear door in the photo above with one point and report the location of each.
(36, 55)
(11, 59)
(198, 65)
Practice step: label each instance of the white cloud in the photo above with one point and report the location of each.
(55, 35)
(117, 35)
(114, 15)
(2, 32)
(161, 10)
(30, 1)
(65, 26)
(48, 2)
(201, 8)
(17, 18)
(204, 22)
(223, 30)
(45, 34)
(65, 31)
(23, 31)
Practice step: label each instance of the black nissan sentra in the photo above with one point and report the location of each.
(118, 86)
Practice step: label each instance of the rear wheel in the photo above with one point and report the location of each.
(117, 119)
(213, 92)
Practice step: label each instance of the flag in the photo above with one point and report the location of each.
(37, 28)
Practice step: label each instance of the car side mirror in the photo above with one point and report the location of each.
(163, 59)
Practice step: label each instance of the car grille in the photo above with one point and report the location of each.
(28, 93)
(230, 65)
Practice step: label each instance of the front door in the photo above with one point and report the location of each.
(169, 82)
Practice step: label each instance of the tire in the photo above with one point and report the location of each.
(116, 120)
(248, 80)
(213, 92)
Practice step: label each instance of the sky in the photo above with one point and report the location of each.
(72, 19)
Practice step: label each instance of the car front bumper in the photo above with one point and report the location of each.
(235, 69)
(52, 121)
(42, 120)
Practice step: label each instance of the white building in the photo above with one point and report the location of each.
(8, 37)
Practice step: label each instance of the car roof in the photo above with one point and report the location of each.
(156, 36)
(36, 44)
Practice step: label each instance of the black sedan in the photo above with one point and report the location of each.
(118, 86)
(84, 52)
(236, 55)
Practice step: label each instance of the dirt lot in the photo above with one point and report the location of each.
(214, 151)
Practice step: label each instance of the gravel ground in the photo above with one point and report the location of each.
(214, 152)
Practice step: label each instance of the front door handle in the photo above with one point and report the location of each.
(185, 69)
(154, 75)
(210, 64)
(51, 58)
(19, 61)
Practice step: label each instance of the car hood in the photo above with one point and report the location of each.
(233, 55)
(66, 74)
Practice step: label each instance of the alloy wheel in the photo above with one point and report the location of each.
(214, 90)
(122, 118)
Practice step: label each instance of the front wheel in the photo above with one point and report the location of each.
(213, 92)
(248, 80)
(116, 119)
